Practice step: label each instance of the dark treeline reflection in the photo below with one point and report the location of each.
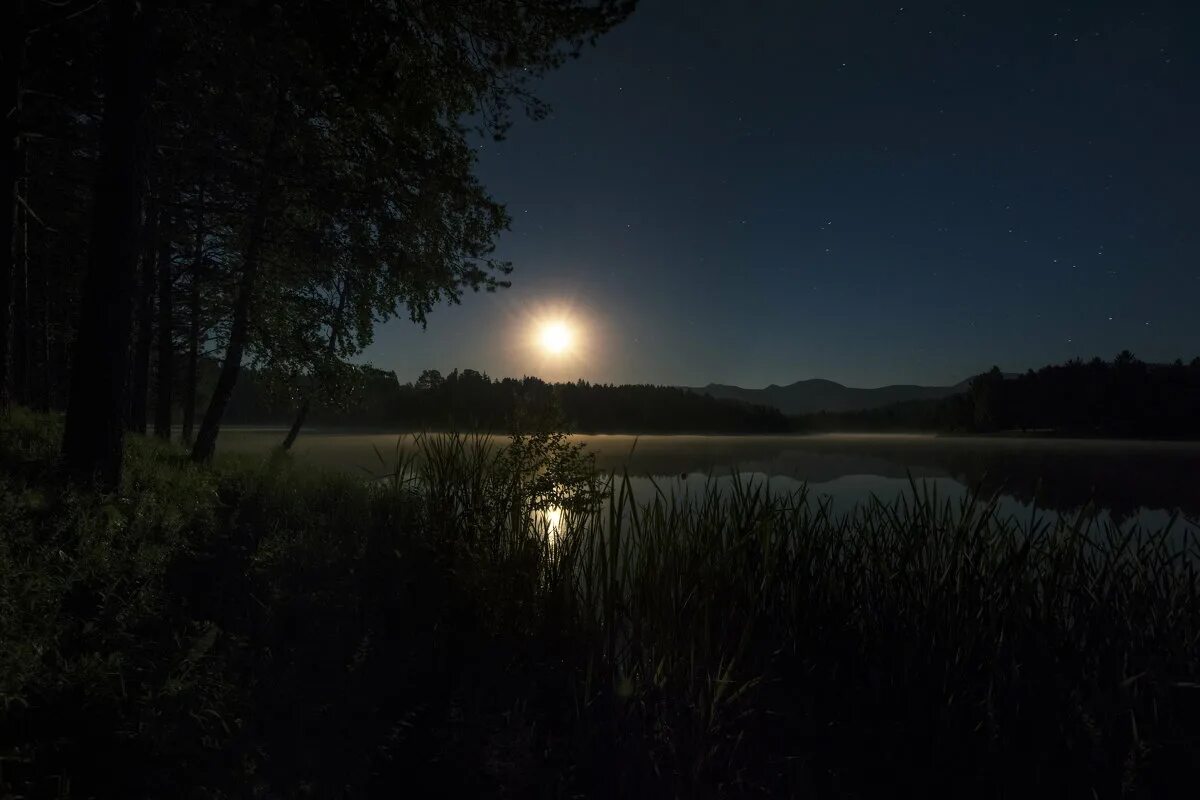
(1057, 475)
(1068, 480)
(469, 399)
(1124, 397)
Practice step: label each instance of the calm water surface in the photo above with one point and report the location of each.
(1128, 481)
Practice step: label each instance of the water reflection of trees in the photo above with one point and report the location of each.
(1058, 475)
(1068, 481)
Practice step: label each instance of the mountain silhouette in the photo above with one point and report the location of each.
(815, 395)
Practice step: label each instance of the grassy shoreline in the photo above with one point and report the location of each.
(263, 629)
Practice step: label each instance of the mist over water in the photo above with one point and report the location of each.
(1127, 482)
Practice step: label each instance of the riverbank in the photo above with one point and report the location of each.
(260, 627)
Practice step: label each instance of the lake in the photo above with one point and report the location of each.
(1138, 482)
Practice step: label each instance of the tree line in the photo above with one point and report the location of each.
(246, 183)
(471, 400)
(1124, 397)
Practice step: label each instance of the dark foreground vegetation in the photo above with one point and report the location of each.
(258, 629)
(1124, 397)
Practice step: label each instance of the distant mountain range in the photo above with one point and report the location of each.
(812, 396)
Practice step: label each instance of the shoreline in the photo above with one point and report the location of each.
(1005, 438)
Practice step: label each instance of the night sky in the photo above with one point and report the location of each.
(764, 191)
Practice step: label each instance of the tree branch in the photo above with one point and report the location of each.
(33, 214)
(77, 13)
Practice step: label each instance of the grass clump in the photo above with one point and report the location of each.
(496, 619)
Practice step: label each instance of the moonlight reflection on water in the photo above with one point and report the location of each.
(549, 522)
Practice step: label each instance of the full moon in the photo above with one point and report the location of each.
(555, 337)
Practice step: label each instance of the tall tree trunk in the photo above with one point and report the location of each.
(335, 327)
(19, 381)
(45, 390)
(193, 353)
(64, 347)
(297, 423)
(140, 383)
(239, 329)
(93, 440)
(166, 338)
(193, 356)
(12, 50)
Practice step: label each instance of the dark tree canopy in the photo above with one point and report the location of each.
(263, 183)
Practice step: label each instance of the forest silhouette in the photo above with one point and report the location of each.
(1121, 398)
